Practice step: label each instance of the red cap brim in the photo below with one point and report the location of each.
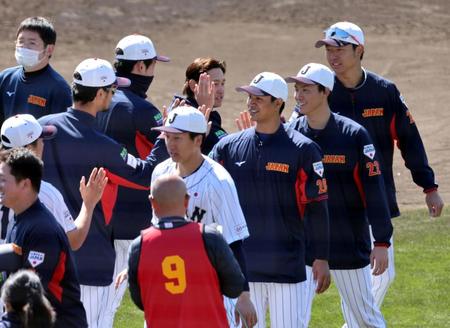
(251, 90)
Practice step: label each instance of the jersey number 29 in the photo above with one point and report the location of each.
(173, 269)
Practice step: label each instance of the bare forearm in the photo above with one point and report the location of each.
(82, 222)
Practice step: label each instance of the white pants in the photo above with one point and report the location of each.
(114, 296)
(93, 299)
(282, 300)
(357, 302)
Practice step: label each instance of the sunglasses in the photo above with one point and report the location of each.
(341, 34)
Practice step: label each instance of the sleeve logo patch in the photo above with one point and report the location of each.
(36, 258)
(369, 151)
(132, 161)
(123, 153)
(318, 168)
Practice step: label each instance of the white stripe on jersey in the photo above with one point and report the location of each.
(54, 201)
(213, 198)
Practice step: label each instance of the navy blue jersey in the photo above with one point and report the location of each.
(11, 320)
(280, 182)
(129, 121)
(377, 105)
(46, 250)
(355, 189)
(73, 153)
(37, 93)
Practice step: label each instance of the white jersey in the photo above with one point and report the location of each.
(213, 197)
(53, 200)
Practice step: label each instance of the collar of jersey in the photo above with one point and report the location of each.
(83, 117)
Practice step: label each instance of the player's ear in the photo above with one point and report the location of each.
(49, 50)
(192, 83)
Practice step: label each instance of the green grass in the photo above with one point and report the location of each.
(419, 296)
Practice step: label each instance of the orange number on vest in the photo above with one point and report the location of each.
(173, 268)
(322, 184)
(374, 168)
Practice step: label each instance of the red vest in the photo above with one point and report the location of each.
(179, 286)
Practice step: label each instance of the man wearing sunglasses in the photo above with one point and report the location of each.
(73, 153)
(377, 104)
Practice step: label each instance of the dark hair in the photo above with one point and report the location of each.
(83, 94)
(272, 99)
(23, 291)
(124, 67)
(199, 66)
(24, 165)
(41, 26)
(192, 135)
(354, 48)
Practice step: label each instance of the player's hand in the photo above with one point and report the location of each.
(244, 121)
(206, 111)
(434, 203)
(92, 192)
(121, 277)
(379, 260)
(205, 91)
(245, 311)
(176, 103)
(321, 274)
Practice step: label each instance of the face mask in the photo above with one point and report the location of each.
(27, 57)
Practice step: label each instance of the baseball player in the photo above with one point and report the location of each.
(376, 104)
(179, 269)
(41, 242)
(281, 184)
(23, 130)
(33, 87)
(192, 89)
(213, 196)
(74, 152)
(128, 121)
(356, 198)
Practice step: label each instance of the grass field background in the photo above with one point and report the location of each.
(419, 297)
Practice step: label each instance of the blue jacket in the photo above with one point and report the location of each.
(280, 182)
(355, 189)
(74, 152)
(129, 121)
(46, 250)
(37, 93)
(377, 105)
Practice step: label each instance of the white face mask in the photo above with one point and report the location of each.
(27, 57)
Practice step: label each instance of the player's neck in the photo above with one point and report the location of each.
(89, 108)
(318, 119)
(268, 126)
(351, 77)
(189, 166)
(28, 199)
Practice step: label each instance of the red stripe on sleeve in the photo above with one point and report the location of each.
(143, 146)
(359, 185)
(109, 196)
(300, 191)
(54, 285)
(393, 130)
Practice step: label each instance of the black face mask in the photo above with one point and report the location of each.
(139, 84)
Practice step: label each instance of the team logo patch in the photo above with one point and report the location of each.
(36, 258)
(318, 168)
(132, 161)
(334, 159)
(35, 100)
(123, 153)
(279, 167)
(373, 112)
(220, 133)
(158, 118)
(369, 151)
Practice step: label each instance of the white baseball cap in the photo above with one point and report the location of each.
(313, 73)
(137, 47)
(341, 33)
(23, 129)
(184, 119)
(267, 83)
(96, 72)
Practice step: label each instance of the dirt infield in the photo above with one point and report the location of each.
(407, 41)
